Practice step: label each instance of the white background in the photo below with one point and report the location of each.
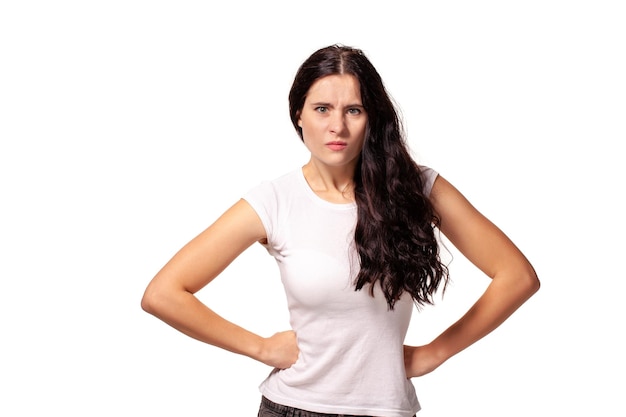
(127, 127)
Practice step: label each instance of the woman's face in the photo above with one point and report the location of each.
(333, 120)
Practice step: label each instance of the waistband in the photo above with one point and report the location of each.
(297, 412)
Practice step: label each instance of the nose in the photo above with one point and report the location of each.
(337, 123)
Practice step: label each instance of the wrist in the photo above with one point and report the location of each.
(257, 349)
(439, 351)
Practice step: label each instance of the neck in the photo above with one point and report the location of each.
(334, 184)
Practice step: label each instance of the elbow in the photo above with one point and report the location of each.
(521, 281)
(161, 299)
(530, 281)
(150, 301)
(536, 284)
(146, 302)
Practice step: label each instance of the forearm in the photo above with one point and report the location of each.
(183, 311)
(504, 295)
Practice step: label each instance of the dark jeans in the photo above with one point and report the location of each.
(271, 409)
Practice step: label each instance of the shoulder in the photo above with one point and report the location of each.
(271, 199)
(428, 175)
(285, 182)
(269, 195)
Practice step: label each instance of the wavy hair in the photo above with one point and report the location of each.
(395, 231)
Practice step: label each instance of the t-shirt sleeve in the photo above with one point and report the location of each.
(429, 176)
(263, 200)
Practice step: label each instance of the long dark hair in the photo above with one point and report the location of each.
(395, 231)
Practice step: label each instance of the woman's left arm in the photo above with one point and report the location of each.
(513, 278)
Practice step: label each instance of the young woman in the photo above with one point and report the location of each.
(354, 234)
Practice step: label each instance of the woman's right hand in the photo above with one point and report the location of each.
(280, 350)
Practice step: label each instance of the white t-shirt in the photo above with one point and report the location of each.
(351, 356)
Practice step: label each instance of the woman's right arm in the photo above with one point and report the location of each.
(170, 294)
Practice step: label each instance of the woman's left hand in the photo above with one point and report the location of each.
(420, 360)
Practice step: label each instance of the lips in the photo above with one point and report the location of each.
(336, 145)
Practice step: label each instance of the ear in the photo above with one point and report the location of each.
(298, 113)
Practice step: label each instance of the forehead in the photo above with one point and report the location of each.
(338, 87)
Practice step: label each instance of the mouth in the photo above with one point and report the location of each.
(336, 145)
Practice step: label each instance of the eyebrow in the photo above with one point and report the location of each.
(321, 103)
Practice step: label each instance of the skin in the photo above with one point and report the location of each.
(333, 113)
(513, 278)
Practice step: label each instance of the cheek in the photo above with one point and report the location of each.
(359, 131)
(308, 137)
(310, 130)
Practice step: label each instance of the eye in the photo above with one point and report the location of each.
(321, 109)
(354, 111)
